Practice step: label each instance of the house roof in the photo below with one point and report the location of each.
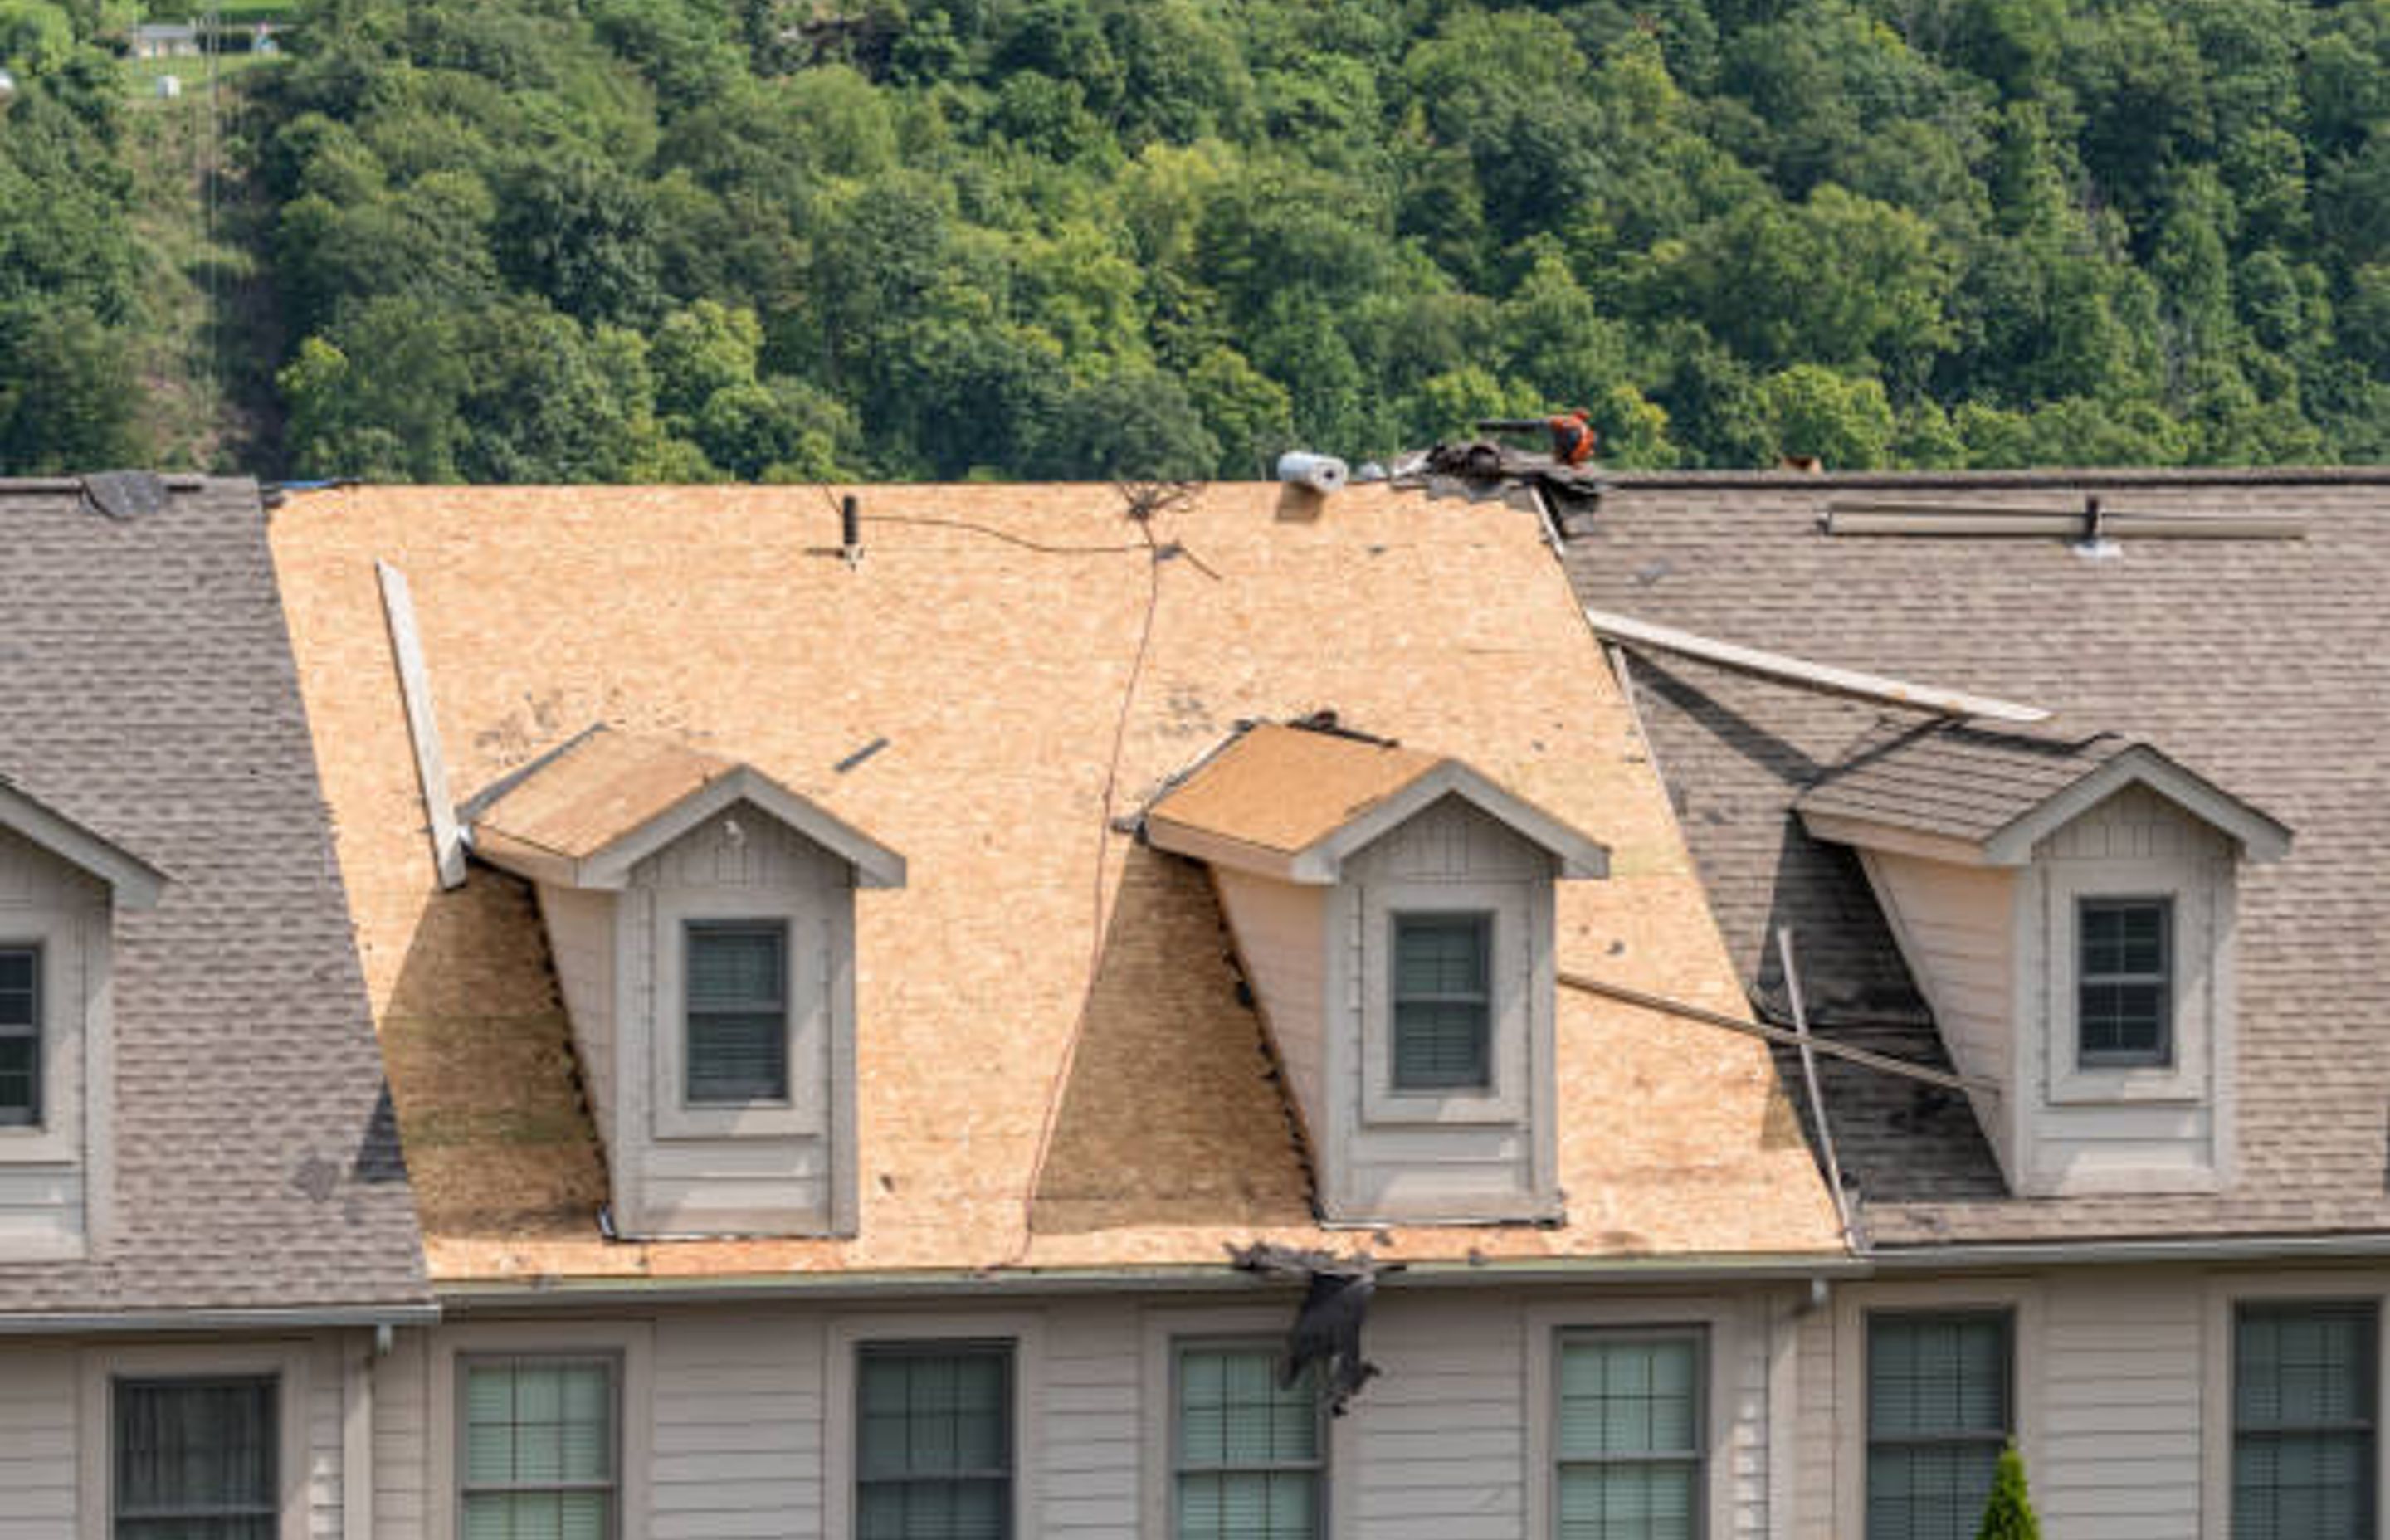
(153, 713)
(132, 882)
(2254, 662)
(584, 815)
(1045, 979)
(1292, 801)
(1992, 793)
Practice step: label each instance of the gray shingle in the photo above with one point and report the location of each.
(2256, 664)
(146, 681)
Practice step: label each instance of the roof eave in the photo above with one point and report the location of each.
(1577, 855)
(135, 884)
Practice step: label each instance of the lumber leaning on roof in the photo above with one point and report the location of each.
(1821, 676)
(1866, 1057)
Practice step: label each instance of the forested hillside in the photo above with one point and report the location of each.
(565, 239)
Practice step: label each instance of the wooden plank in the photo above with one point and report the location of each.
(1818, 677)
(1827, 1045)
(414, 690)
(1809, 1076)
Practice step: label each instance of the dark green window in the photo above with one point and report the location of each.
(20, 1036)
(1443, 1002)
(1630, 1438)
(1249, 1449)
(1938, 1414)
(195, 1459)
(2123, 982)
(738, 1009)
(539, 1451)
(933, 1445)
(2302, 1422)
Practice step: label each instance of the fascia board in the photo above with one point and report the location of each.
(136, 884)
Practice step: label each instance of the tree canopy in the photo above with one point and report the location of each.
(599, 239)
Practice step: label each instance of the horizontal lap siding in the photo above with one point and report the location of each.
(1442, 1435)
(401, 1427)
(2121, 1374)
(37, 1442)
(737, 1428)
(1091, 1438)
(326, 1446)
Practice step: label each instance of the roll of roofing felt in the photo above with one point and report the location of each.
(1319, 473)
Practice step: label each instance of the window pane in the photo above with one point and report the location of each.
(538, 1515)
(1232, 1412)
(539, 1422)
(934, 1443)
(1440, 955)
(1628, 1502)
(2302, 1393)
(1628, 1397)
(17, 969)
(1937, 1420)
(1929, 1491)
(735, 966)
(1248, 1506)
(738, 1058)
(185, 1446)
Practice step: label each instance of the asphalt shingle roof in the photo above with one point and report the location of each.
(1948, 779)
(148, 693)
(2254, 663)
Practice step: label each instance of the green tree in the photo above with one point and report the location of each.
(2009, 1515)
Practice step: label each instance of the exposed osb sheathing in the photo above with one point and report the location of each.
(598, 790)
(725, 619)
(1284, 789)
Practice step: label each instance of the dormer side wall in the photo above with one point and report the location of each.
(55, 1175)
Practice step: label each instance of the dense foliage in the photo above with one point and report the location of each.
(563, 239)
(2009, 1515)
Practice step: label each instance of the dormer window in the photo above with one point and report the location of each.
(2124, 989)
(20, 1036)
(736, 1012)
(2068, 908)
(1394, 912)
(701, 917)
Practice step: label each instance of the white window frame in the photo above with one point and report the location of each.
(1720, 1323)
(1160, 1332)
(844, 1338)
(631, 1345)
(2226, 1292)
(787, 935)
(284, 1362)
(1323, 1520)
(70, 1002)
(821, 946)
(2199, 974)
(2169, 967)
(2022, 1299)
(1512, 986)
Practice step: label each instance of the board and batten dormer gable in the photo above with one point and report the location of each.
(1393, 910)
(700, 916)
(2068, 908)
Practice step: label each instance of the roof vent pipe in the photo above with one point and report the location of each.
(1320, 473)
(850, 527)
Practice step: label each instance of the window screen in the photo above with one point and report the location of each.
(738, 1012)
(538, 1454)
(195, 1459)
(933, 1447)
(2302, 1422)
(2123, 981)
(1247, 1448)
(1937, 1416)
(1442, 1006)
(20, 1036)
(1629, 1439)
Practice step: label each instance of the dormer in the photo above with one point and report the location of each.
(60, 887)
(1393, 911)
(2068, 908)
(701, 918)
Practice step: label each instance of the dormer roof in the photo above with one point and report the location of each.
(135, 884)
(583, 815)
(1291, 801)
(1987, 797)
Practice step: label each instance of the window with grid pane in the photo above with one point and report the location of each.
(20, 1036)
(195, 1460)
(538, 1441)
(1443, 1003)
(1628, 1443)
(1248, 1457)
(2124, 986)
(1937, 1416)
(933, 1442)
(738, 1012)
(2302, 1422)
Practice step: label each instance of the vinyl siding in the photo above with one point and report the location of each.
(1957, 926)
(44, 1213)
(581, 939)
(1281, 937)
(2121, 1372)
(738, 1435)
(402, 1425)
(38, 1400)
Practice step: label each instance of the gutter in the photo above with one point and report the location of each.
(2345, 1246)
(262, 1318)
(458, 1300)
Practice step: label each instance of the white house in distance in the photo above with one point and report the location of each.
(883, 1015)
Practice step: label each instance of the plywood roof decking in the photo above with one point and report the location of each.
(1285, 788)
(1002, 989)
(598, 788)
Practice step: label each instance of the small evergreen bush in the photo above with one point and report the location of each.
(2009, 1515)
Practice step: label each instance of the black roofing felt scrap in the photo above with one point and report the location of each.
(124, 495)
(1327, 1329)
